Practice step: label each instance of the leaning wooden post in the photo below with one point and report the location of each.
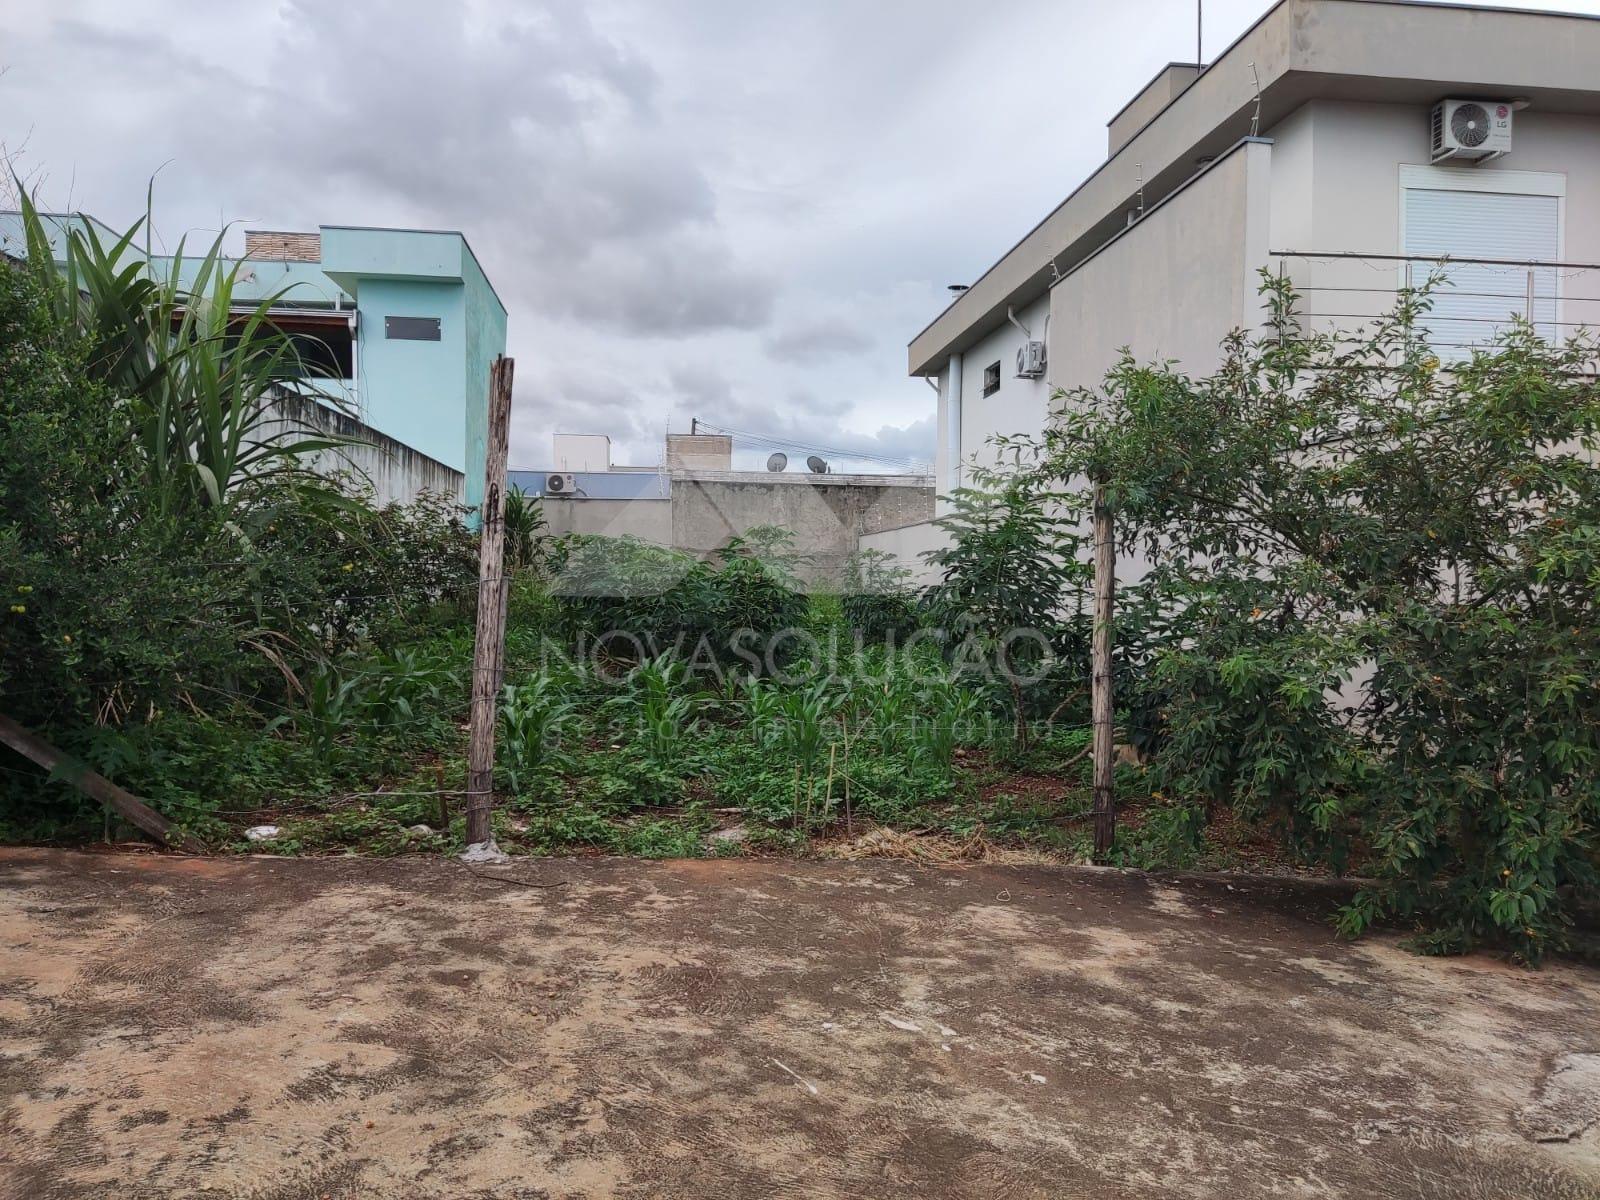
(489, 647)
(1105, 584)
(97, 787)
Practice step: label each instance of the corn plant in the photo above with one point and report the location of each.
(893, 702)
(654, 705)
(330, 700)
(377, 698)
(949, 712)
(534, 716)
(794, 721)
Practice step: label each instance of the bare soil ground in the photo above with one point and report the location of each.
(276, 1029)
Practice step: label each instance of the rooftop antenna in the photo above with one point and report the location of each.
(1255, 118)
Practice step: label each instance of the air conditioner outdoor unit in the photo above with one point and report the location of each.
(1471, 130)
(560, 484)
(1030, 360)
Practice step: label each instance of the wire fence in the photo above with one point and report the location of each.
(1472, 301)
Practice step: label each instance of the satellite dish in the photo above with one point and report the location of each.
(818, 466)
(777, 462)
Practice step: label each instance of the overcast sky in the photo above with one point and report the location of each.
(735, 210)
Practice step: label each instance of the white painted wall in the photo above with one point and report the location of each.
(1336, 187)
(908, 545)
(1173, 285)
(1020, 406)
(581, 451)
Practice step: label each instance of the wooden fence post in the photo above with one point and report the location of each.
(1105, 584)
(489, 646)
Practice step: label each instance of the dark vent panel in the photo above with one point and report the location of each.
(412, 329)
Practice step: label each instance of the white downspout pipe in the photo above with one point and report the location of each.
(952, 419)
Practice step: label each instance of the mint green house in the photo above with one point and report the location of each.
(398, 327)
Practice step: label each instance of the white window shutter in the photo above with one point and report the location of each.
(1478, 300)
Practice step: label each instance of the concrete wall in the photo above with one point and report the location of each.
(1173, 285)
(413, 389)
(1170, 83)
(699, 452)
(827, 514)
(396, 472)
(486, 340)
(1021, 406)
(649, 520)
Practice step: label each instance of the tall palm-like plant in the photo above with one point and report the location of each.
(525, 526)
(197, 369)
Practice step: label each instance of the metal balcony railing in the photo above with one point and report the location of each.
(1473, 302)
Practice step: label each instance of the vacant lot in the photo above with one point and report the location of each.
(341, 1027)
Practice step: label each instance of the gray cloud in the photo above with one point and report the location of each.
(691, 207)
(808, 345)
(799, 422)
(687, 285)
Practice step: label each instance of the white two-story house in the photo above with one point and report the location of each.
(1325, 144)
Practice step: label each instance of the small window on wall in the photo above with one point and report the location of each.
(412, 329)
(991, 379)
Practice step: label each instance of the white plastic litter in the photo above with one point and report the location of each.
(484, 852)
(1032, 1078)
(808, 1087)
(906, 1026)
(262, 833)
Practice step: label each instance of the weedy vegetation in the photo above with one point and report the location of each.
(1365, 642)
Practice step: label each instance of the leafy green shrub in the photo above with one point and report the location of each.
(1168, 838)
(664, 839)
(179, 578)
(627, 778)
(1374, 611)
(1011, 594)
(331, 578)
(878, 603)
(633, 600)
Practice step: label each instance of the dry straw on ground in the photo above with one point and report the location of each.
(882, 842)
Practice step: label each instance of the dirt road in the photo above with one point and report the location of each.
(278, 1029)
